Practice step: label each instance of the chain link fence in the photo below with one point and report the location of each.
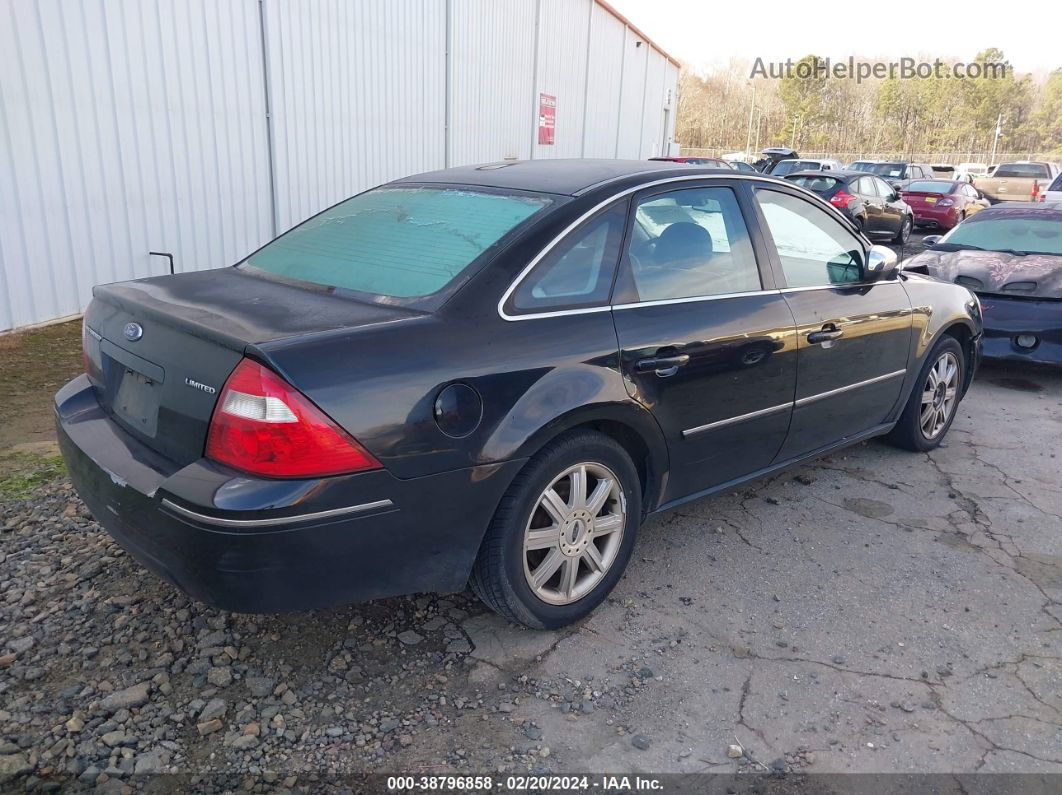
(933, 158)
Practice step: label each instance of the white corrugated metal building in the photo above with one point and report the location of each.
(201, 129)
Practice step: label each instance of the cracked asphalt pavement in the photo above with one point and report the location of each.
(872, 611)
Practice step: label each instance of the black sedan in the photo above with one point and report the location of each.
(872, 204)
(492, 375)
(1010, 255)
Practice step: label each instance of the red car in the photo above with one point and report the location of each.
(943, 202)
(693, 160)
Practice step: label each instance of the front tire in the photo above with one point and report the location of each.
(934, 401)
(563, 533)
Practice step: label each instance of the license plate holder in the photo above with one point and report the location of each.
(137, 401)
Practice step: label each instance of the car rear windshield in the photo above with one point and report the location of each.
(1034, 231)
(928, 186)
(815, 183)
(1022, 170)
(396, 244)
(789, 166)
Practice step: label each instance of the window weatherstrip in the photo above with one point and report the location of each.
(763, 180)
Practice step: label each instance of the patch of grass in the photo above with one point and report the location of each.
(20, 473)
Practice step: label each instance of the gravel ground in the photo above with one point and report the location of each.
(874, 611)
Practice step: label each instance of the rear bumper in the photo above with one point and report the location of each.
(945, 217)
(253, 545)
(1006, 319)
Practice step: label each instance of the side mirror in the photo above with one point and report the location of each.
(881, 263)
(931, 240)
(894, 196)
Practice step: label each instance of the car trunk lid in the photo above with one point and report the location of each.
(162, 348)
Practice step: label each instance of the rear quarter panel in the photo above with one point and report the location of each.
(536, 378)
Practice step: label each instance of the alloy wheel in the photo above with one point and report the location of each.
(939, 395)
(574, 533)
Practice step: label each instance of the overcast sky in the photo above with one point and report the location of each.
(703, 33)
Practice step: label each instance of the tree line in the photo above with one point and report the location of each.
(811, 111)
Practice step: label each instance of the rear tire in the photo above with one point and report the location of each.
(934, 401)
(553, 552)
(905, 231)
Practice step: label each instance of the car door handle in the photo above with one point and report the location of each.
(663, 366)
(827, 333)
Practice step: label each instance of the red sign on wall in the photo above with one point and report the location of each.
(547, 118)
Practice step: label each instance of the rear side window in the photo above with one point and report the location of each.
(579, 271)
(396, 242)
(814, 249)
(1023, 169)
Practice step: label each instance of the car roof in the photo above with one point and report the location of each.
(843, 173)
(563, 176)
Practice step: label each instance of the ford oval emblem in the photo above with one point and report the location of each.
(133, 331)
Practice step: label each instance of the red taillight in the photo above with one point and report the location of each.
(945, 203)
(265, 426)
(841, 199)
(1036, 189)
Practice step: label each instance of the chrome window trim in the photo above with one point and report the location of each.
(691, 299)
(739, 418)
(761, 178)
(842, 389)
(274, 521)
(837, 286)
(792, 404)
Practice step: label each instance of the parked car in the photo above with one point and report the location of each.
(741, 165)
(860, 165)
(898, 173)
(1017, 182)
(771, 155)
(943, 202)
(1010, 255)
(972, 170)
(784, 167)
(1053, 192)
(693, 160)
(492, 375)
(872, 205)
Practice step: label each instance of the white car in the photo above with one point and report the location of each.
(792, 165)
(1053, 192)
(973, 169)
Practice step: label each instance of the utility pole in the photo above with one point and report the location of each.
(748, 133)
(995, 139)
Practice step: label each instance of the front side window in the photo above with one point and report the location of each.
(396, 244)
(688, 243)
(815, 250)
(579, 271)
